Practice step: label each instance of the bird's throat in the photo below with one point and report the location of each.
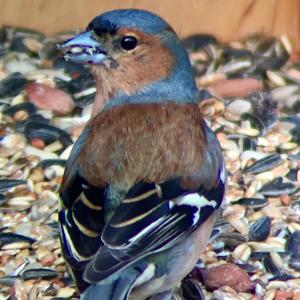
(106, 88)
(103, 95)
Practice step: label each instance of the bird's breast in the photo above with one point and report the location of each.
(152, 142)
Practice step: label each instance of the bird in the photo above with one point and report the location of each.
(145, 181)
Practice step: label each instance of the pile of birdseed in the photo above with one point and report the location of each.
(44, 104)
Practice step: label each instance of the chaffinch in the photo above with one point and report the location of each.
(146, 177)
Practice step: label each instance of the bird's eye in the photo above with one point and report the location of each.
(129, 42)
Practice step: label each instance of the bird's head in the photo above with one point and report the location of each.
(135, 56)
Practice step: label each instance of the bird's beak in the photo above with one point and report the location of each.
(83, 49)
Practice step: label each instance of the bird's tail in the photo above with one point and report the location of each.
(117, 289)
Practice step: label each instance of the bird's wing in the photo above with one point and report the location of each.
(81, 215)
(155, 216)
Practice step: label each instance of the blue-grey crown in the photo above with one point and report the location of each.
(130, 18)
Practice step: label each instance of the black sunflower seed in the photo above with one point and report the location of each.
(232, 239)
(8, 280)
(277, 187)
(254, 203)
(260, 229)
(12, 85)
(191, 290)
(6, 184)
(9, 237)
(293, 244)
(270, 265)
(47, 133)
(39, 273)
(264, 164)
(52, 162)
(294, 263)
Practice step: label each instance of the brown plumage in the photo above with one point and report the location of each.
(133, 142)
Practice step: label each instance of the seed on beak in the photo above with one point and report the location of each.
(76, 50)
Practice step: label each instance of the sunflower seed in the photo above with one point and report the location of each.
(255, 203)
(8, 280)
(293, 244)
(264, 164)
(49, 134)
(294, 263)
(260, 229)
(39, 274)
(191, 289)
(9, 238)
(232, 239)
(277, 187)
(12, 85)
(269, 265)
